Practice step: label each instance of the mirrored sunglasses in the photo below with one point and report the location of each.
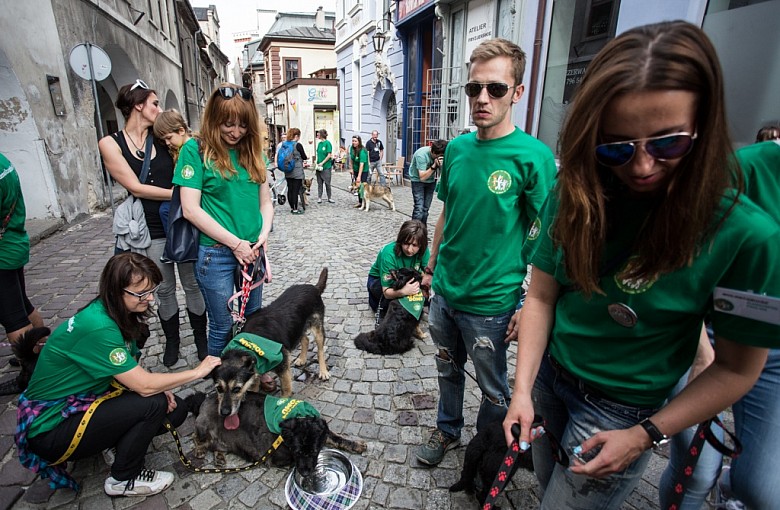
(495, 89)
(662, 147)
(143, 295)
(139, 83)
(230, 92)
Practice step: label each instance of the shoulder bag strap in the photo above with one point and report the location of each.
(147, 159)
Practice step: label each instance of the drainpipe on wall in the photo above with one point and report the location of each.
(181, 58)
(535, 63)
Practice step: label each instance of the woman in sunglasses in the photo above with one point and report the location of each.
(81, 360)
(224, 192)
(123, 153)
(642, 236)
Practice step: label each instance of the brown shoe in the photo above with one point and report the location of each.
(267, 384)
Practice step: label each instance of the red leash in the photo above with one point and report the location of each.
(246, 288)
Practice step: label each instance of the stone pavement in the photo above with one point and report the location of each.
(390, 402)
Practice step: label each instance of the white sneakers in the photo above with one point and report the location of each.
(723, 499)
(147, 482)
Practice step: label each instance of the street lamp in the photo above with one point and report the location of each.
(378, 39)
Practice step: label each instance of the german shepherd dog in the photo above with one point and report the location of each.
(394, 334)
(373, 192)
(287, 320)
(24, 350)
(305, 191)
(233, 421)
(484, 456)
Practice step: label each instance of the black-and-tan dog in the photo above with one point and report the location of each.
(288, 320)
(233, 421)
(306, 191)
(395, 333)
(24, 350)
(373, 192)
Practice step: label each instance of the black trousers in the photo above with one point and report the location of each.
(127, 422)
(294, 192)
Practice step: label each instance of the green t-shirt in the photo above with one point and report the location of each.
(421, 160)
(234, 202)
(641, 364)
(760, 164)
(387, 260)
(492, 191)
(82, 355)
(360, 157)
(323, 149)
(14, 242)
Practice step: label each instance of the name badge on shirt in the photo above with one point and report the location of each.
(748, 305)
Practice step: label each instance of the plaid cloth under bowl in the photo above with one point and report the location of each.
(341, 498)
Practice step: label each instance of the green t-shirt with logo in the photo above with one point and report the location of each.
(492, 191)
(360, 157)
(641, 364)
(14, 242)
(387, 260)
(233, 202)
(82, 355)
(760, 165)
(323, 149)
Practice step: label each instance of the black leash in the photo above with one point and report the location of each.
(188, 463)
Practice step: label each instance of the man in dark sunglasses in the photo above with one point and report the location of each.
(493, 183)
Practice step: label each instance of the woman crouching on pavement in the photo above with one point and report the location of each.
(72, 409)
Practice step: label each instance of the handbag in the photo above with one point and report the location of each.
(142, 179)
(183, 240)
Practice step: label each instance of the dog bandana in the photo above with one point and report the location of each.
(413, 304)
(267, 353)
(279, 409)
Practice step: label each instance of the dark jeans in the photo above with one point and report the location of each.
(422, 193)
(294, 192)
(15, 307)
(127, 422)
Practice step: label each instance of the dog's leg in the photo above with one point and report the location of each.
(301, 359)
(366, 202)
(319, 337)
(346, 444)
(418, 333)
(219, 458)
(390, 202)
(285, 376)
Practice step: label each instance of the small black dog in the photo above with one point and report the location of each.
(287, 320)
(484, 456)
(24, 350)
(394, 334)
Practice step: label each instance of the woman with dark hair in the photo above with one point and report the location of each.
(123, 153)
(768, 132)
(324, 165)
(410, 249)
(295, 177)
(359, 158)
(76, 369)
(224, 192)
(642, 237)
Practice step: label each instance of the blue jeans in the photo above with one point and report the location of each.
(707, 467)
(422, 193)
(219, 274)
(573, 414)
(462, 334)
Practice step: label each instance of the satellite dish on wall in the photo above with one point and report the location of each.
(79, 62)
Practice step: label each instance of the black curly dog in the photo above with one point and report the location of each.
(395, 333)
(24, 351)
(484, 456)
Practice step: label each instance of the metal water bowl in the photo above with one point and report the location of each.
(335, 484)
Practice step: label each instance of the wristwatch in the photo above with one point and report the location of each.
(428, 270)
(656, 436)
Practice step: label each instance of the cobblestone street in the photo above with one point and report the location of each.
(390, 402)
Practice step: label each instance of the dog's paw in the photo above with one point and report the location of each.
(200, 452)
(299, 362)
(219, 459)
(324, 374)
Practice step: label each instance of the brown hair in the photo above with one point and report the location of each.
(665, 56)
(218, 111)
(412, 230)
(121, 271)
(292, 133)
(169, 121)
(495, 48)
(126, 99)
(768, 132)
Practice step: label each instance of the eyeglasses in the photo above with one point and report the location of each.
(143, 295)
(662, 147)
(139, 83)
(495, 89)
(230, 92)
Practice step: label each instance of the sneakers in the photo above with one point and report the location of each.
(330, 200)
(109, 456)
(723, 498)
(147, 482)
(297, 211)
(433, 452)
(319, 200)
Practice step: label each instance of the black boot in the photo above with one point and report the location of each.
(171, 329)
(198, 323)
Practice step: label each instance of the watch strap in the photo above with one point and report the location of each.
(656, 436)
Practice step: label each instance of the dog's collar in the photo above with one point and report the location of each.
(279, 409)
(413, 304)
(267, 353)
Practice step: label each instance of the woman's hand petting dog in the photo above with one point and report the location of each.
(208, 364)
(411, 288)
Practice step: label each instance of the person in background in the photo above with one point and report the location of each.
(358, 157)
(324, 166)
(492, 184)
(17, 313)
(79, 363)
(424, 172)
(296, 176)
(376, 154)
(171, 128)
(642, 237)
(768, 132)
(123, 153)
(410, 249)
(225, 194)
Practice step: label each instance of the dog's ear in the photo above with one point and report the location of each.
(288, 427)
(248, 361)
